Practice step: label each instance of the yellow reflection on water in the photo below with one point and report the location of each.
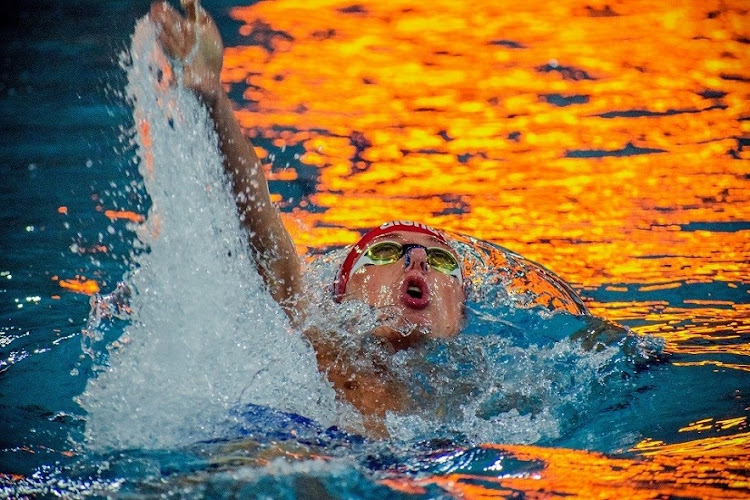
(608, 141)
(604, 140)
(706, 469)
(422, 111)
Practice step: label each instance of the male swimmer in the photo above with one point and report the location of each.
(404, 269)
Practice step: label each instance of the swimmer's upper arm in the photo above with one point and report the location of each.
(196, 42)
(276, 256)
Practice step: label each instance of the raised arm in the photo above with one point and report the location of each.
(195, 42)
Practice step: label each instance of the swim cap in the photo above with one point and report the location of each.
(342, 277)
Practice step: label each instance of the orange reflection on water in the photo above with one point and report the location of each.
(399, 105)
(688, 330)
(711, 424)
(124, 214)
(80, 285)
(708, 468)
(705, 470)
(606, 140)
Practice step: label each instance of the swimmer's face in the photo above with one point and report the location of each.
(421, 300)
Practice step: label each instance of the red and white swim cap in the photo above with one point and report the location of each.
(342, 277)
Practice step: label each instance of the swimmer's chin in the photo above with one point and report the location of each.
(401, 329)
(400, 338)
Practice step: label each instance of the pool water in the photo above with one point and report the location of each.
(613, 151)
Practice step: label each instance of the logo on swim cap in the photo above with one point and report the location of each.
(407, 225)
(342, 277)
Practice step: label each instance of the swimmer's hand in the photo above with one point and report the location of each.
(194, 41)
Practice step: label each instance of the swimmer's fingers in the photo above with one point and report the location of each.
(192, 8)
(196, 44)
(175, 35)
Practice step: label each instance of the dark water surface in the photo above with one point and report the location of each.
(614, 151)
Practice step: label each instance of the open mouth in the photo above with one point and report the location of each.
(414, 293)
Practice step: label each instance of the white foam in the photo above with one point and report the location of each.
(204, 334)
(491, 391)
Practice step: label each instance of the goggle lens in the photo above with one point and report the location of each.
(441, 260)
(387, 252)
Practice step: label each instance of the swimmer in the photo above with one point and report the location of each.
(406, 270)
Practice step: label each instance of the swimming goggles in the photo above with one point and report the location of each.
(388, 252)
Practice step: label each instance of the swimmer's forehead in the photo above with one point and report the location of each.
(411, 237)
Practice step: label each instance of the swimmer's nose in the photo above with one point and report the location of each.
(416, 258)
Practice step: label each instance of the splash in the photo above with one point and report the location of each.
(203, 334)
(204, 338)
(530, 366)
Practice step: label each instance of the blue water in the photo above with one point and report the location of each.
(196, 400)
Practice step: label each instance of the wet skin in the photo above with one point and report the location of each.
(421, 302)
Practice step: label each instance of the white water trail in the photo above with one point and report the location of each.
(204, 335)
